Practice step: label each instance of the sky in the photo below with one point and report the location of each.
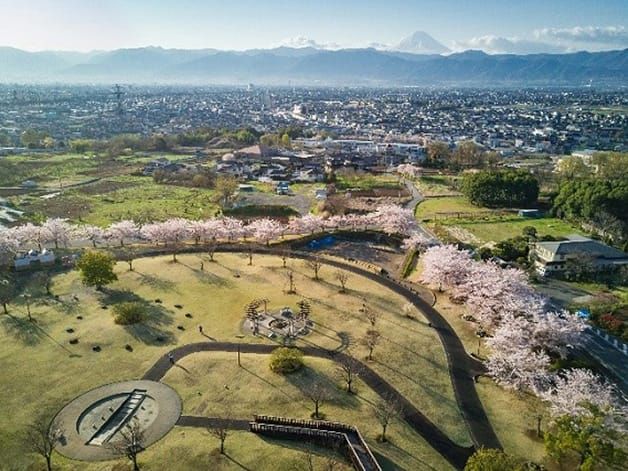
(491, 25)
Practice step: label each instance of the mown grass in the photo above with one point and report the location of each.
(42, 370)
(512, 227)
(445, 207)
(366, 181)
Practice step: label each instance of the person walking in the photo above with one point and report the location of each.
(200, 329)
(171, 358)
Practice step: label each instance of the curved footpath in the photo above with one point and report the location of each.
(462, 369)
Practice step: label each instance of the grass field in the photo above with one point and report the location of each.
(435, 185)
(512, 227)
(365, 181)
(123, 197)
(437, 208)
(42, 370)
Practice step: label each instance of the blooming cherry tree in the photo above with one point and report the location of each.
(393, 219)
(123, 230)
(264, 230)
(58, 231)
(445, 266)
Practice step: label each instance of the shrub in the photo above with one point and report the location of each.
(285, 360)
(129, 313)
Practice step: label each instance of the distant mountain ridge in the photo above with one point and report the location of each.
(311, 66)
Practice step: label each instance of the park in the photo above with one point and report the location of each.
(164, 346)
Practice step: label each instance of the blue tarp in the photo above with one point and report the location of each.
(318, 244)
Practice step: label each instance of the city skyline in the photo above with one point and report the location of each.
(495, 27)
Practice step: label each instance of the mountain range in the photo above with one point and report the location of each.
(398, 66)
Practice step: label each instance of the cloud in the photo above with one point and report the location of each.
(299, 42)
(593, 37)
(500, 45)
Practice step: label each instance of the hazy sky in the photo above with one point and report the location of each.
(495, 25)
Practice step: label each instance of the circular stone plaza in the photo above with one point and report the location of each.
(98, 418)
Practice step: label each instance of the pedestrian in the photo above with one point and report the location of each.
(171, 358)
(200, 329)
(202, 266)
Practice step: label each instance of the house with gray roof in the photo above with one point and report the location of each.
(551, 257)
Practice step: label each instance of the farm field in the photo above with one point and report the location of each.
(511, 227)
(35, 354)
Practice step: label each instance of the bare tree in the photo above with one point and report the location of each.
(347, 369)
(371, 315)
(370, 340)
(285, 255)
(386, 409)
(42, 437)
(315, 265)
(317, 394)
(342, 277)
(220, 429)
(130, 442)
(290, 279)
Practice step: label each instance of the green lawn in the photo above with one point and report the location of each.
(42, 371)
(511, 227)
(366, 181)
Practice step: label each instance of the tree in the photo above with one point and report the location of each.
(129, 442)
(572, 167)
(386, 409)
(226, 186)
(43, 278)
(587, 436)
(286, 360)
(438, 154)
(489, 459)
(290, 279)
(445, 266)
(7, 292)
(264, 230)
(317, 394)
(468, 154)
(370, 340)
(347, 370)
(393, 219)
(507, 188)
(575, 390)
(42, 437)
(342, 277)
(220, 428)
(123, 230)
(96, 269)
(305, 309)
(315, 265)
(58, 231)
(94, 234)
(371, 315)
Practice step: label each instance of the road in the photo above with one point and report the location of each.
(417, 197)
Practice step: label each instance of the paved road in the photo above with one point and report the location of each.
(417, 197)
(612, 360)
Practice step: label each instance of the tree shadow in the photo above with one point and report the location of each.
(305, 378)
(236, 462)
(267, 382)
(156, 282)
(22, 329)
(153, 330)
(209, 278)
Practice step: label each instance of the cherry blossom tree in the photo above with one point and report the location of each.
(519, 368)
(409, 170)
(58, 231)
(306, 224)
(233, 228)
(172, 233)
(415, 241)
(574, 389)
(30, 234)
(123, 230)
(9, 246)
(265, 229)
(445, 266)
(393, 219)
(94, 234)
